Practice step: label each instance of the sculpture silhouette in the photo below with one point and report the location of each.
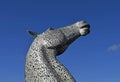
(41, 63)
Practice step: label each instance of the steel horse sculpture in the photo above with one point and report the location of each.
(41, 63)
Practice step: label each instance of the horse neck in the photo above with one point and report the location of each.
(37, 64)
(58, 67)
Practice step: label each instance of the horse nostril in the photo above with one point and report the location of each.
(86, 26)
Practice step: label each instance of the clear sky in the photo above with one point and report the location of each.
(93, 58)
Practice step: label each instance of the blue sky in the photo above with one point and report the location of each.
(93, 58)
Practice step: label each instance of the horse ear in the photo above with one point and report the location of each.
(32, 33)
